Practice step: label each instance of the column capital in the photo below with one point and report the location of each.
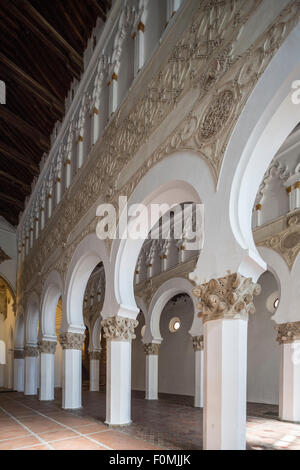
(288, 332)
(119, 328)
(31, 351)
(229, 297)
(95, 355)
(19, 354)
(198, 343)
(47, 347)
(71, 340)
(151, 349)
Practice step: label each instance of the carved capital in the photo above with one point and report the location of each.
(19, 353)
(71, 340)
(47, 347)
(119, 328)
(31, 351)
(288, 332)
(95, 355)
(228, 297)
(151, 349)
(198, 343)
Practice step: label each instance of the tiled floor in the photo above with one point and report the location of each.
(170, 423)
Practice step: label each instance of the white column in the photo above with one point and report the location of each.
(289, 391)
(95, 125)
(47, 352)
(139, 45)
(72, 344)
(297, 194)
(151, 351)
(30, 353)
(224, 306)
(67, 173)
(58, 189)
(49, 213)
(119, 332)
(94, 371)
(19, 370)
(198, 344)
(113, 94)
(80, 155)
(225, 371)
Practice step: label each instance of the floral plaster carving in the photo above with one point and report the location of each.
(151, 349)
(227, 297)
(95, 355)
(71, 340)
(285, 242)
(203, 59)
(19, 353)
(198, 343)
(119, 328)
(31, 351)
(288, 332)
(47, 347)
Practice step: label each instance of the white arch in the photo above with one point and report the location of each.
(267, 119)
(52, 291)
(95, 337)
(32, 319)
(166, 291)
(88, 254)
(169, 182)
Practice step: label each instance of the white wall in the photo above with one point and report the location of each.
(176, 361)
(263, 349)
(8, 243)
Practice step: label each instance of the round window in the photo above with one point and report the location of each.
(174, 325)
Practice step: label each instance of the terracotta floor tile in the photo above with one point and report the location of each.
(120, 441)
(79, 443)
(94, 427)
(57, 435)
(17, 443)
(41, 447)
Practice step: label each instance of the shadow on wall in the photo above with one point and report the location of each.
(263, 349)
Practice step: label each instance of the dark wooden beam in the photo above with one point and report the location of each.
(43, 23)
(31, 84)
(23, 127)
(40, 35)
(12, 201)
(18, 157)
(12, 179)
(100, 10)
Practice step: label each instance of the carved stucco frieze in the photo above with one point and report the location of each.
(198, 343)
(71, 340)
(47, 347)
(228, 297)
(286, 242)
(19, 353)
(31, 351)
(119, 328)
(151, 349)
(288, 332)
(95, 355)
(206, 64)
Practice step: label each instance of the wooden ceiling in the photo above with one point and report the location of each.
(41, 51)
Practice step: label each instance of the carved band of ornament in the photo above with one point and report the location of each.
(288, 332)
(19, 353)
(198, 343)
(95, 355)
(47, 347)
(71, 340)
(229, 297)
(31, 351)
(151, 349)
(119, 328)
